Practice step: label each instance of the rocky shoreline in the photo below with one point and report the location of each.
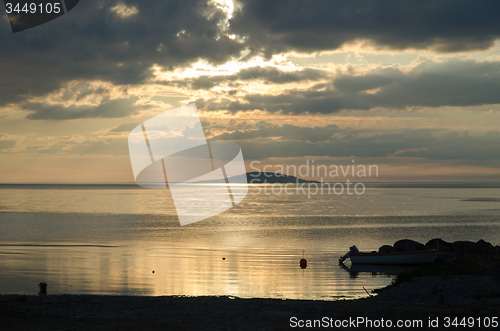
(448, 251)
(464, 272)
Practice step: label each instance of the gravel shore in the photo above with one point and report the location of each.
(93, 312)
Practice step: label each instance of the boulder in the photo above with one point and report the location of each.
(386, 249)
(436, 243)
(460, 247)
(485, 247)
(408, 245)
(469, 247)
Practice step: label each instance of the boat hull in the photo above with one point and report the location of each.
(411, 257)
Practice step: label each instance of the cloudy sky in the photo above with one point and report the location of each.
(412, 86)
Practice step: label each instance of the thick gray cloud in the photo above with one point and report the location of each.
(294, 141)
(108, 109)
(6, 141)
(277, 26)
(93, 42)
(454, 146)
(268, 140)
(346, 144)
(6, 144)
(429, 84)
(286, 131)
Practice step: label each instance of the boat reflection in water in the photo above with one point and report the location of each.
(375, 269)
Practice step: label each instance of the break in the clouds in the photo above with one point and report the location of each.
(264, 75)
(451, 82)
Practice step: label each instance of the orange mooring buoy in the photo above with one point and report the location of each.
(303, 261)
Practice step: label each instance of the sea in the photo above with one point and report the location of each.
(121, 239)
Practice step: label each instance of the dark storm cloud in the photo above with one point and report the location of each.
(429, 84)
(92, 42)
(108, 109)
(447, 26)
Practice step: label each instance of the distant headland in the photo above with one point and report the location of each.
(263, 178)
(271, 178)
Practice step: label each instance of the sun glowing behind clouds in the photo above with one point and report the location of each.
(202, 68)
(226, 5)
(124, 11)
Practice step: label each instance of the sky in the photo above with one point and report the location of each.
(409, 86)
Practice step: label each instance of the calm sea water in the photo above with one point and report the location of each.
(108, 239)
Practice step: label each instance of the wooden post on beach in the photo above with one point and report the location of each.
(43, 288)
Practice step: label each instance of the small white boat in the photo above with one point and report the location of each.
(380, 269)
(408, 257)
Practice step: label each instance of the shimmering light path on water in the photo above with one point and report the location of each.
(109, 240)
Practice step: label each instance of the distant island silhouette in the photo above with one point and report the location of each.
(264, 178)
(271, 178)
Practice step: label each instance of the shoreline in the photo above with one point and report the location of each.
(105, 312)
